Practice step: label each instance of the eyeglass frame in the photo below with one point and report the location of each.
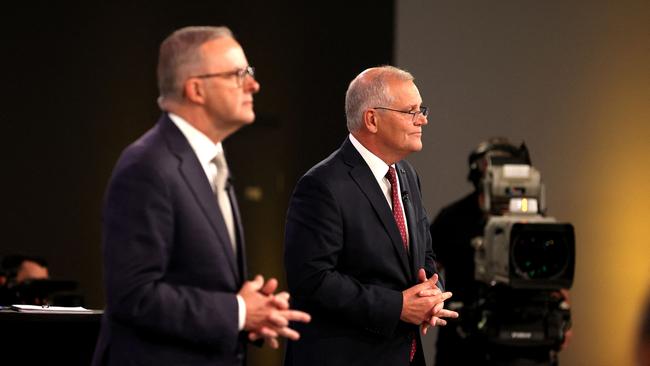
(240, 73)
(424, 111)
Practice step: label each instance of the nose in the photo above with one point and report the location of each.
(420, 120)
(251, 85)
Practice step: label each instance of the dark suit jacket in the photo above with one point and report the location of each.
(347, 266)
(170, 273)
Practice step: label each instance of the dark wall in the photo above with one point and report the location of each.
(79, 85)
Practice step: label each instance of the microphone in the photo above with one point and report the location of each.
(405, 196)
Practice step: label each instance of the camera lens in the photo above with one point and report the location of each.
(539, 252)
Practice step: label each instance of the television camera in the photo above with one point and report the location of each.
(523, 261)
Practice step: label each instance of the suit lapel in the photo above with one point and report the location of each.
(194, 176)
(241, 248)
(363, 177)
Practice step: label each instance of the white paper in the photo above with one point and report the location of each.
(50, 309)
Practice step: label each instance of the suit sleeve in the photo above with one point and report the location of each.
(139, 221)
(314, 240)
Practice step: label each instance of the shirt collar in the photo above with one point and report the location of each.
(378, 167)
(203, 147)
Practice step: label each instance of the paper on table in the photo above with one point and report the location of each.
(50, 309)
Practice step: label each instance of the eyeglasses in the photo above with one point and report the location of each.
(240, 73)
(424, 111)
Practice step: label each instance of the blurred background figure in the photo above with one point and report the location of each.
(20, 268)
(25, 279)
(15, 270)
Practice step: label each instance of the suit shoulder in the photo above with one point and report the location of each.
(148, 154)
(328, 176)
(152, 146)
(147, 145)
(327, 167)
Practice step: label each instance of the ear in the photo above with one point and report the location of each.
(193, 90)
(370, 120)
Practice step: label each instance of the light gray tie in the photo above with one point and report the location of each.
(221, 192)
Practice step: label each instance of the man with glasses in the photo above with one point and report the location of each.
(358, 252)
(174, 260)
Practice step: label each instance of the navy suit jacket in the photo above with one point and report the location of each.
(170, 273)
(347, 266)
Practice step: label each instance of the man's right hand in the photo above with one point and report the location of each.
(267, 314)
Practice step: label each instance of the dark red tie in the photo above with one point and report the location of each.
(398, 214)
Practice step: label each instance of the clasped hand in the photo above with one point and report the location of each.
(423, 304)
(268, 314)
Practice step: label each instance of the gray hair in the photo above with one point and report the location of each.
(179, 56)
(370, 89)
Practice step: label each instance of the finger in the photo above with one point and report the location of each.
(432, 282)
(444, 313)
(422, 275)
(289, 333)
(273, 342)
(439, 298)
(267, 332)
(426, 285)
(424, 327)
(256, 284)
(277, 320)
(438, 307)
(427, 323)
(280, 302)
(270, 286)
(440, 322)
(252, 286)
(430, 292)
(296, 316)
(444, 296)
(253, 336)
(283, 295)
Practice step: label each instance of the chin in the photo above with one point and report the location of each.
(416, 147)
(249, 118)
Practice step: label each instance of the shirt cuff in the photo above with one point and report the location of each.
(242, 312)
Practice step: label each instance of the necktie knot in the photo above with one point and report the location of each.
(392, 177)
